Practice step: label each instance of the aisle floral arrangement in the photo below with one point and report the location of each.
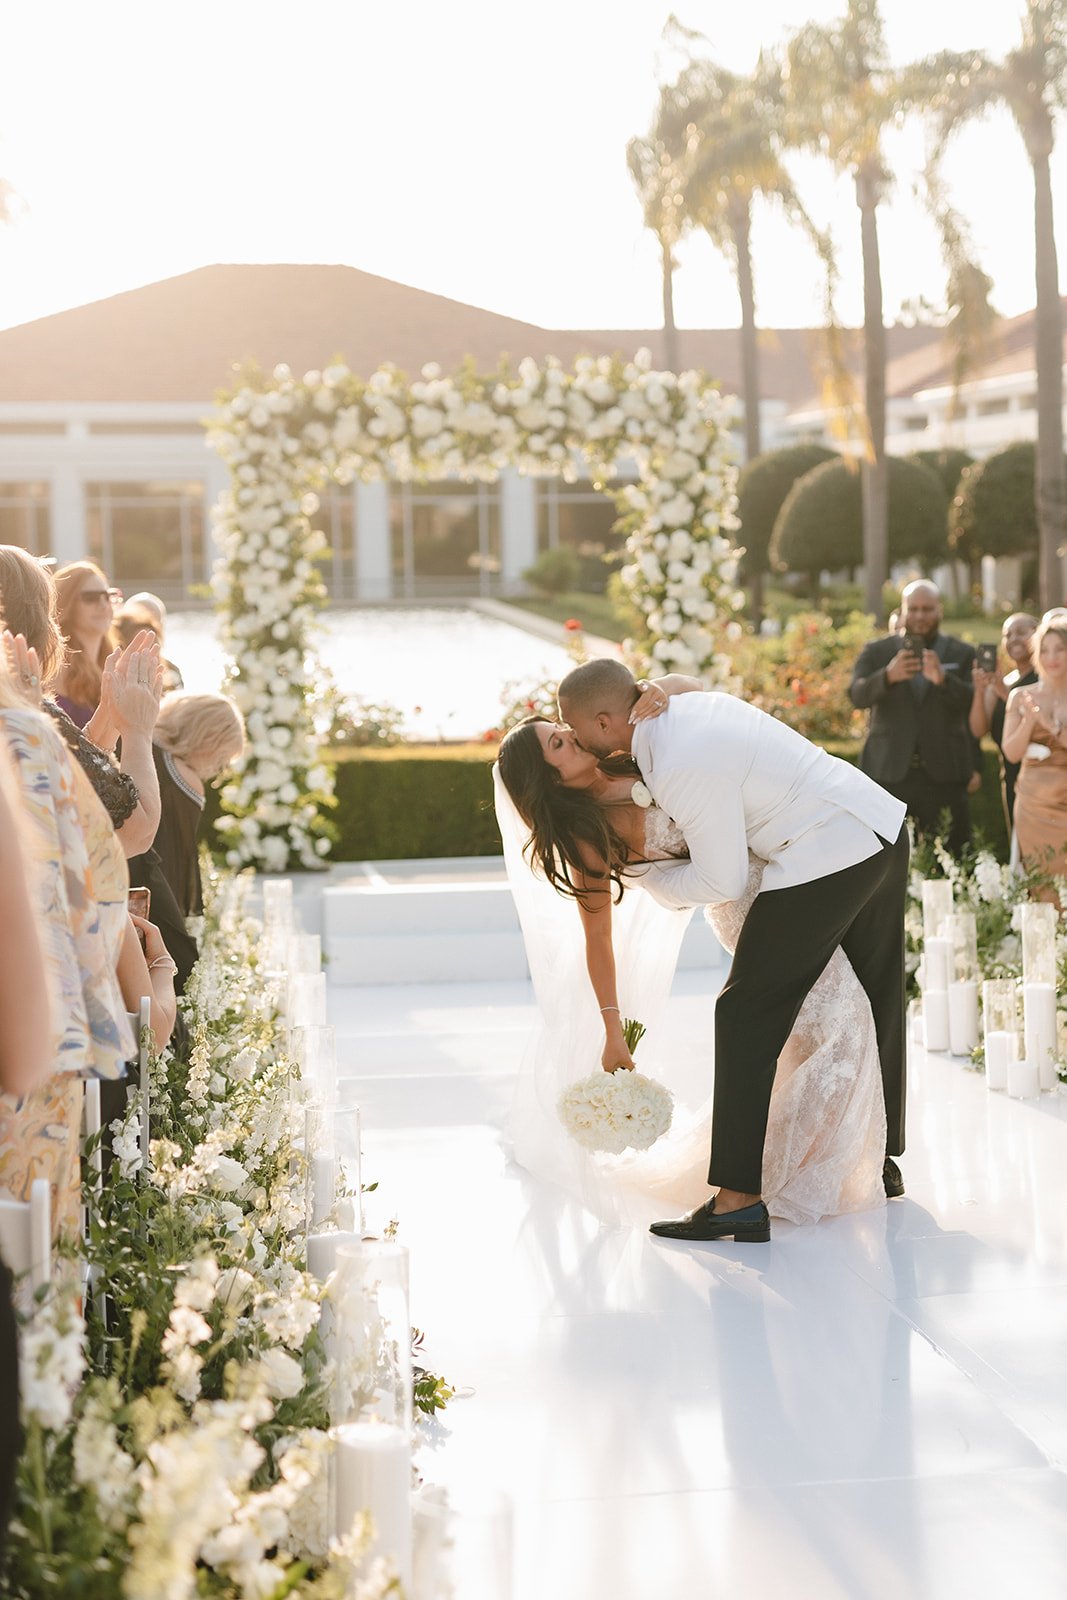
(177, 1436)
(995, 895)
(283, 438)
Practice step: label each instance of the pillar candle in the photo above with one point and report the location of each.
(372, 1472)
(999, 1052)
(938, 963)
(915, 1022)
(1039, 1012)
(1023, 1080)
(935, 1019)
(962, 1018)
(323, 1186)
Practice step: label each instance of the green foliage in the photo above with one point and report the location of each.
(358, 723)
(555, 571)
(994, 511)
(761, 490)
(802, 677)
(820, 525)
(949, 464)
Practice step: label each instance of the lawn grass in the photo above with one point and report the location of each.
(596, 612)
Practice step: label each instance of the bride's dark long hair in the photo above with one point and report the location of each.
(560, 820)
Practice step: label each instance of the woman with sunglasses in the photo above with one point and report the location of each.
(85, 615)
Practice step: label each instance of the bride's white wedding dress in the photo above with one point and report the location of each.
(826, 1130)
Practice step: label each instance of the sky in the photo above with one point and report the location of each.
(474, 148)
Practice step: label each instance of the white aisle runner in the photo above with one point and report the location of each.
(871, 1409)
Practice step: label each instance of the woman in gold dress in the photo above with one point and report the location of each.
(1035, 733)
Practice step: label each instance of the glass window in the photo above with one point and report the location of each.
(336, 517)
(149, 536)
(26, 516)
(575, 514)
(445, 539)
(991, 408)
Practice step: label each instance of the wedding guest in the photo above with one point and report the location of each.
(1035, 734)
(918, 744)
(146, 610)
(25, 1061)
(128, 710)
(85, 614)
(991, 692)
(197, 737)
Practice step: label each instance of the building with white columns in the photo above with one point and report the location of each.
(103, 451)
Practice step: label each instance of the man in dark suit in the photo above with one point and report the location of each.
(918, 743)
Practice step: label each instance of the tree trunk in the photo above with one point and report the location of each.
(1050, 481)
(750, 383)
(875, 469)
(670, 332)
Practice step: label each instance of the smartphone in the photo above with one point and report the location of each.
(986, 657)
(139, 902)
(915, 644)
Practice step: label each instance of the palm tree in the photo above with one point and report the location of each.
(658, 185)
(839, 96)
(723, 132)
(1032, 82)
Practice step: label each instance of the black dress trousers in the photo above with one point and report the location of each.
(788, 937)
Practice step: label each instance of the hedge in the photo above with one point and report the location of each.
(413, 802)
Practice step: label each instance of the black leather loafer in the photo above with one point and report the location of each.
(891, 1179)
(750, 1225)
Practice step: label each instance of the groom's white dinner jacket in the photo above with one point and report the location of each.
(735, 779)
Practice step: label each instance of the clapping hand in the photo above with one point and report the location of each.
(1032, 711)
(133, 685)
(24, 666)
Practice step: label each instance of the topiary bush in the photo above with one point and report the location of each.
(761, 491)
(555, 571)
(820, 525)
(994, 511)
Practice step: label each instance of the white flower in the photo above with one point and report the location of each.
(283, 1376)
(228, 1175)
(51, 1362)
(234, 1290)
(615, 1111)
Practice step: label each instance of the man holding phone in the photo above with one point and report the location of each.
(916, 684)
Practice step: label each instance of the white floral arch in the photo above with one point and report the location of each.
(283, 438)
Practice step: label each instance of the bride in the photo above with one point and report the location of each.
(580, 830)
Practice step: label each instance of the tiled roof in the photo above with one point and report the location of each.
(180, 339)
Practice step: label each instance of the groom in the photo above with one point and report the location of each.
(735, 780)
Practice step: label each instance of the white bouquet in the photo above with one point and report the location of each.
(617, 1111)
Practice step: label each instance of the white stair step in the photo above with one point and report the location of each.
(391, 909)
(439, 957)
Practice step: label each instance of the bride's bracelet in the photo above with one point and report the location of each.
(610, 1008)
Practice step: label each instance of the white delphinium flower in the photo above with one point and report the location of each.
(51, 1361)
(289, 1321)
(99, 1462)
(126, 1142)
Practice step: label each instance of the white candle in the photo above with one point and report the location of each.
(999, 1052)
(323, 1187)
(939, 954)
(1023, 1080)
(916, 1022)
(322, 1252)
(372, 1472)
(962, 1018)
(935, 1019)
(1039, 1012)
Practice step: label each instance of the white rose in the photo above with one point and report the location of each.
(283, 1376)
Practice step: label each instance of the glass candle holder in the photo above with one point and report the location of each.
(373, 1375)
(1000, 1021)
(332, 1164)
(1039, 942)
(961, 930)
(307, 1000)
(305, 953)
(937, 906)
(314, 1049)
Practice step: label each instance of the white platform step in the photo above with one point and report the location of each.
(388, 932)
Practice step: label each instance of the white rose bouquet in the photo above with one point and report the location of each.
(617, 1111)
